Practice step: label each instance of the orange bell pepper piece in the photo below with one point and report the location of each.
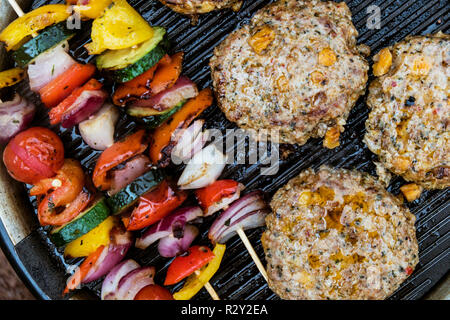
(118, 153)
(161, 146)
(63, 85)
(81, 273)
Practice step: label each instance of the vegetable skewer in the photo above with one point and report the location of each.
(176, 65)
(244, 213)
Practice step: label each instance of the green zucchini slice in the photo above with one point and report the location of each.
(46, 40)
(152, 118)
(85, 222)
(126, 64)
(129, 195)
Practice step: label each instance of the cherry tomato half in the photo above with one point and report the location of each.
(33, 155)
(154, 292)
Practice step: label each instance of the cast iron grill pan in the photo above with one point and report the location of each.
(238, 277)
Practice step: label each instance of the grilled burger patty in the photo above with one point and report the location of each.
(295, 68)
(338, 234)
(201, 6)
(409, 123)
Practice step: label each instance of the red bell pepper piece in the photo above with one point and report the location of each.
(57, 112)
(118, 153)
(215, 192)
(63, 85)
(81, 273)
(183, 266)
(155, 205)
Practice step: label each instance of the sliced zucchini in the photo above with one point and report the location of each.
(85, 222)
(129, 195)
(47, 39)
(126, 64)
(152, 121)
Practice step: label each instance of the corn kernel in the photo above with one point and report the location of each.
(384, 62)
(402, 163)
(304, 198)
(331, 139)
(317, 77)
(304, 278)
(282, 84)
(411, 191)
(327, 57)
(421, 66)
(262, 39)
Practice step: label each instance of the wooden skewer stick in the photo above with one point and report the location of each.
(252, 252)
(16, 7)
(209, 288)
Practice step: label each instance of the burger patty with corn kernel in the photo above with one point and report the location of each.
(193, 7)
(295, 68)
(338, 234)
(409, 122)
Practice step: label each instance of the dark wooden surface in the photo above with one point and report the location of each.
(11, 287)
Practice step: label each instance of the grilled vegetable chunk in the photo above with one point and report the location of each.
(126, 64)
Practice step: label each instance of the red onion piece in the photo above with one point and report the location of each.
(88, 103)
(166, 227)
(49, 65)
(111, 282)
(98, 130)
(189, 142)
(252, 202)
(133, 282)
(203, 169)
(254, 219)
(133, 168)
(171, 246)
(114, 253)
(182, 90)
(15, 116)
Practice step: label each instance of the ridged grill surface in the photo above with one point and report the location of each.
(238, 277)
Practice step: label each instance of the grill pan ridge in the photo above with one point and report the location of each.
(238, 277)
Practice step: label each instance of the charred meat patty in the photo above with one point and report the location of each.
(409, 122)
(201, 6)
(295, 68)
(338, 234)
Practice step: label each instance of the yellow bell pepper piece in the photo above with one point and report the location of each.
(119, 27)
(20, 29)
(91, 10)
(89, 242)
(10, 77)
(195, 282)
